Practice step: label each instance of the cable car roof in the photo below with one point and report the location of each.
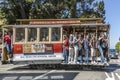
(59, 25)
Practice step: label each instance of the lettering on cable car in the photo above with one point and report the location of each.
(38, 48)
(38, 56)
(27, 48)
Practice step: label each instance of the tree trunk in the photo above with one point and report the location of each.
(22, 11)
(73, 10)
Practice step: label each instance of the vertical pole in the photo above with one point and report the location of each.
(84, 38)
(61, 38)
(96, 32)
(26, 35)
(2, 55)
(14, 35)
(4, 52)
(38, 33)
(50, 33)
(96, 40)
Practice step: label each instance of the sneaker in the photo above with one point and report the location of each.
(92, 62)
(69, 62)
(106, 63)
(77, 62)
(74, 62)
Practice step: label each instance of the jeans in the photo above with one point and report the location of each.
(101, 53)
(65, 55)
(87, 55)
(8, 47)
(80, 54)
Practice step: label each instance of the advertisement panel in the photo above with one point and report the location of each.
(37, 48)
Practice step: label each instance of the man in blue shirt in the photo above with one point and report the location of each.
(86, 47)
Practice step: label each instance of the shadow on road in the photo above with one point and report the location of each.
(40, 76)
(112, 67)
(60, 67)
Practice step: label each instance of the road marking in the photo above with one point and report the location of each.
(117, 75)
(43, 75)
(10, 78)
(113, 77)
(57, 77)
(108, 77)
(26, 77)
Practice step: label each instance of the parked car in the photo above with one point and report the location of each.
(113, 54)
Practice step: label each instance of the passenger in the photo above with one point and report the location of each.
(21, 36)
(70, 58)
(55, 36)
(7, 41)
(75, 41)
(105, 46)
(47, 38)
(99, 44)
(93, 48)
(31, 39)
(86, 47)
(43, 37)
(22, 40)
(65, 48)
(80, 45)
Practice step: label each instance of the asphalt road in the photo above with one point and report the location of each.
(24, 72)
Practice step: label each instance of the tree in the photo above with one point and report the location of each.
(91, 8)
(51, 9)
(117, 47)
(2, 18)
(43, 9)
(17, 9)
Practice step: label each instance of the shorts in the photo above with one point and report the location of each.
(93, 52)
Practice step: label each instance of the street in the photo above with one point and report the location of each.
(24, 72)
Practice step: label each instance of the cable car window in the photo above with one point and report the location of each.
(44, 34)
(56, 34)
(32, 34)
(20, 35)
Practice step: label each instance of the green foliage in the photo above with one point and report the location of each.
(117, 46)
(51, 9)
(2, 18)
(15, 9)
(46, 9)
(92, 8)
